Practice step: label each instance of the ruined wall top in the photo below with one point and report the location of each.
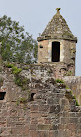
(57, 28)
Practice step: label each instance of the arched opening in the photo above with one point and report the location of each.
(32, 96)
(55, 51)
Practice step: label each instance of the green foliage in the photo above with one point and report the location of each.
(71, 97)
(16, 70)
(76, 101)
(9, 65)
(18, 81)
(17, 45)
(77, 104)
(59, 81)
(26, 68)
(71, 92)
(23, 100)
(22, 82)
(1, 80)
(69, 73)
(0, 69)
(67, 87)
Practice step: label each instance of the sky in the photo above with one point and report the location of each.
(34, 15)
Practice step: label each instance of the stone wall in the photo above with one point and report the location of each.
(51, 110)
(74, 83)
(67, 52)
(57, 70)
(43, 51)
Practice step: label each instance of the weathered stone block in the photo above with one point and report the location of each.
(55, 109)
(43, 134)
(34, 107)
(44, 108)
(54, 127)
(43, 127)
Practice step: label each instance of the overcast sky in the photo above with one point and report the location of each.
(34, 15)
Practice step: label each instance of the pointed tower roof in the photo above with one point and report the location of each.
(57, 28)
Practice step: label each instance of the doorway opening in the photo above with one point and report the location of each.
(55, 51)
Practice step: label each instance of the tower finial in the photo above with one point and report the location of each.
(58, 10)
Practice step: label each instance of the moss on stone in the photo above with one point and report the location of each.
(9, 65)
(21, 81)
(24, 100)
(76, 101)
(16, 70)
(59, 81)
(69, 73)
(69, 35)
(49, 70)
(1, 81)
(0, 69)
(71, 97)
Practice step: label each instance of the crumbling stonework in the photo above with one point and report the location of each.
(34, 100)
(46, 70)
(74, 83)
(51, 112)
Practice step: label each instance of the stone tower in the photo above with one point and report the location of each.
(57, 43)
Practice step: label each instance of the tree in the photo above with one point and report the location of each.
(17, 45)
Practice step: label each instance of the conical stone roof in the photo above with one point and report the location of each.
(57, 28)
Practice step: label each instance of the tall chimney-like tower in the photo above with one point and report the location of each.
(57, 43)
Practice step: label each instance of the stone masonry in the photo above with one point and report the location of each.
(44, 99)
(57, 31)
(52, 111)
(74, 83)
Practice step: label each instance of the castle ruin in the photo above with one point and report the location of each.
(44, 99)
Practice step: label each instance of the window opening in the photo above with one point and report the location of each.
(32, 96)
(55, 51)
(2, 95)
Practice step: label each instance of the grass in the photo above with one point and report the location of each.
(59, 81)
(9, 65)
(15, 70)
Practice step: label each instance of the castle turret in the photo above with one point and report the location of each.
(57, 43)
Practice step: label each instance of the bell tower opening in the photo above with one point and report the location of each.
(55, 51)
